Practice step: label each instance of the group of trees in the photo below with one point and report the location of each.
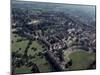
(19, 60)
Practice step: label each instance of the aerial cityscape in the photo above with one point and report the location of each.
(52, 37)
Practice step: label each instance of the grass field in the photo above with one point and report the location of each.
(23, 69)
(35, 45)
(16, 45)
(41, 62)
(81, 60)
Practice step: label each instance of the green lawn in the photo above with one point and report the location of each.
(23, 69)
(81, 59)
(42, 63)
(35, 45)
(16, 45)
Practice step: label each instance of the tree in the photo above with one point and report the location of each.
(69, 63)
(60, 55)
(35, 49)
(35, 68)
(13, 70)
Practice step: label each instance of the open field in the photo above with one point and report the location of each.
(41, 62)
(81, 60)
(16, 45)
(23, 69)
